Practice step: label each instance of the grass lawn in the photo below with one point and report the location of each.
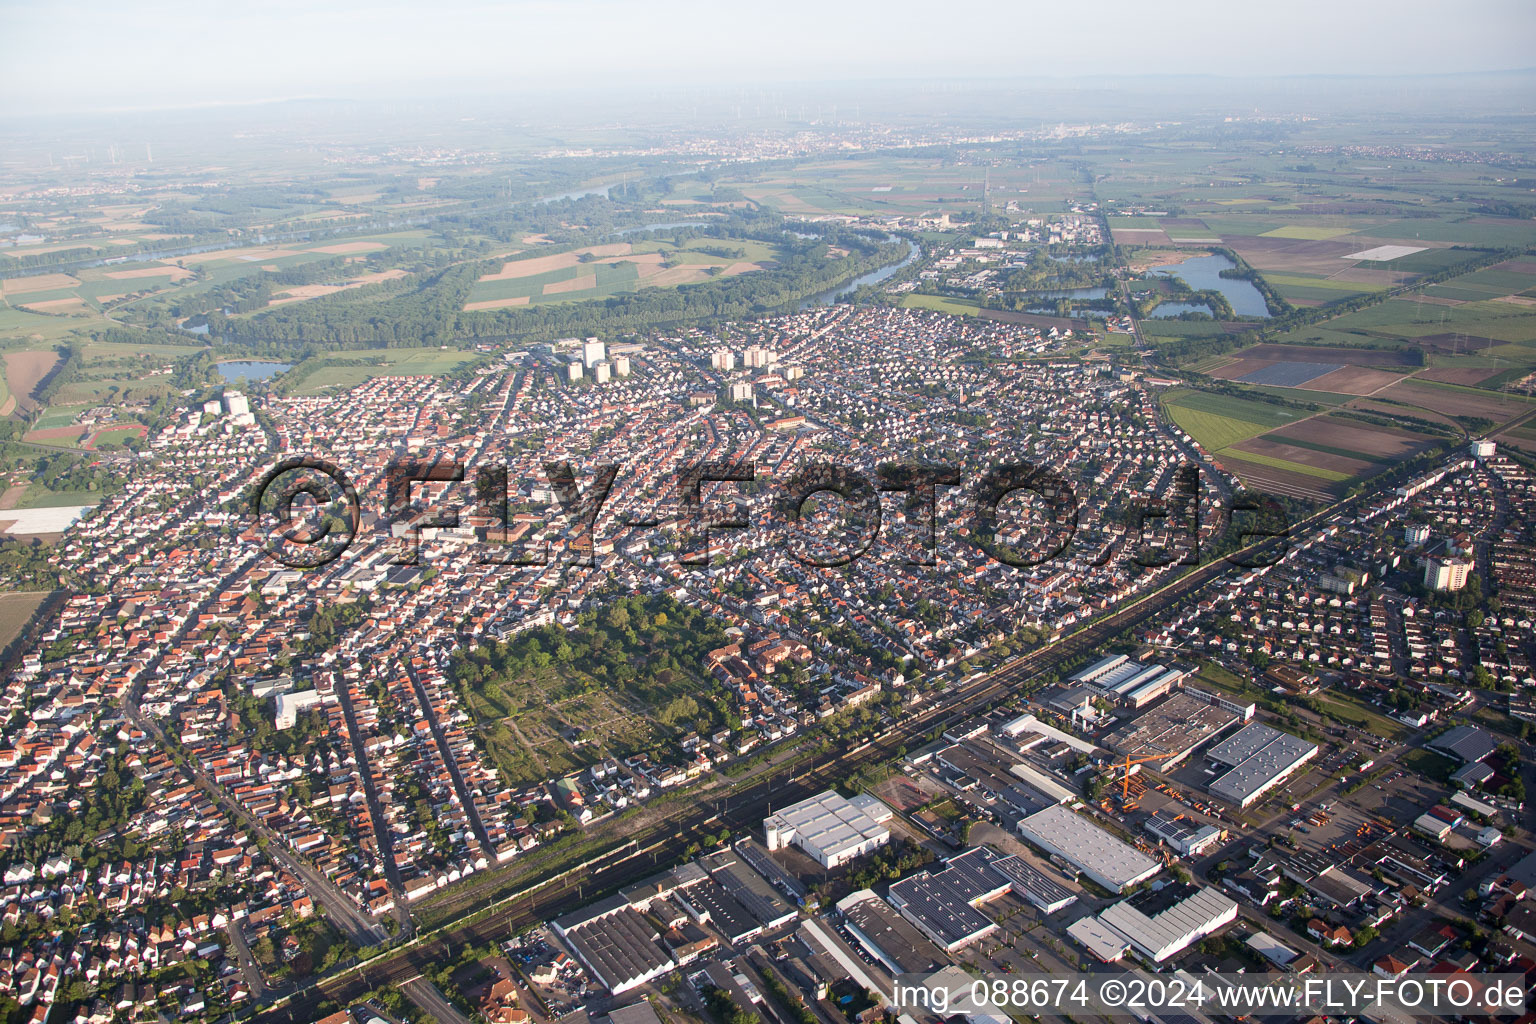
(1429, 764)
(59, 416)
(398, 362)
(1224, 679)
(1346, 709)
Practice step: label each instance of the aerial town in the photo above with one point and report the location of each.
(297, 769)
(660, 551)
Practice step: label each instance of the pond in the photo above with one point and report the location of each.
(1204, 272)
(241, 371)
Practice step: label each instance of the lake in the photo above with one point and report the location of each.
(241, 371)
(663, 226)
(1165, 310)
(1202, 272)
(1072, 293)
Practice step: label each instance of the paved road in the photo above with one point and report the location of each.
(432, 1001)
(466, 800)
(381, 833)
(343, 912)
(249, 970)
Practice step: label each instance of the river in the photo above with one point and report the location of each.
(832, 295)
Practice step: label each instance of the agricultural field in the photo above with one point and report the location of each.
(1218, 421)
(602, 270)
(23, 370)
(1283, 450)
(941, 304)
(16, 610)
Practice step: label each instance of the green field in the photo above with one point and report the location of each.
(1219, 421)
(941, 303)
(1306, 232)
(1230, 455)
(41, 497)
(623, 275)
(1429, 764)
(1344, 708)
(398, 362)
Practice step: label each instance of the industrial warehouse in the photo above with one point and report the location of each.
(1156, 924)
(1258, 758)
(1092, 851)
(943, 904)
(616, 943)
(1128, 683)
(828, 827)
(1172, 730)
(1184, 835)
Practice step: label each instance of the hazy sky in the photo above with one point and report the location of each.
(108, 54)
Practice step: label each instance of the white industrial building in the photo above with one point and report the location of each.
(1258, 758)
(828, 828)
(1100, 856)
(1157, 924)
(1185, 835)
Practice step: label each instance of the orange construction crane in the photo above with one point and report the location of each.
(1125, 783)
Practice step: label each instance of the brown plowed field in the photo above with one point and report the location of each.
(1353, 380)
(1369, 441)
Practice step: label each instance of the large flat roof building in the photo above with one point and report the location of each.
(616, 943)
(943, 903)
(887, 936)
(1111, 863)
(1161, 923)
(1171, 730)
(1258, 758)
(1467, 742)
(828, 827)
